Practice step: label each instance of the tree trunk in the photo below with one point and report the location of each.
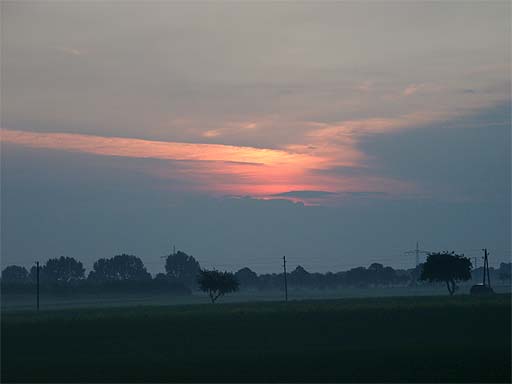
(214, 297)
(450, 284)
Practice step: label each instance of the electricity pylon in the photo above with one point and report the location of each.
(417, 252)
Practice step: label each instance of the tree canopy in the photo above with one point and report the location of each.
(217, 283)
(63, 270)
(246, 277)
(182, 267)
(446, 267)
(505, 271)
(15, 274)
(119, 268)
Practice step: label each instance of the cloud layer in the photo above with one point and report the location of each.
(390, 120)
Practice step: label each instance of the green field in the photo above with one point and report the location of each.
(409, 339)
(27, 301)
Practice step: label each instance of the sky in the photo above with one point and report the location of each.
(335, 133)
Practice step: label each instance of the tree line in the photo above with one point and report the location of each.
(183, 274)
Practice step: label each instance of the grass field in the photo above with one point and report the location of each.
(27, 301)
(409, 339)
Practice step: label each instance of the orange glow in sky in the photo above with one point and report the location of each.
(224, 169)
(246, 170)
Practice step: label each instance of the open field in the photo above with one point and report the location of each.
(21, 302)
(458, 339)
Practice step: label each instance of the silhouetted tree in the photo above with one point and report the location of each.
(161, 277)
(415, 274)
(402, 276)
(163, 283)
(246, 277)
(33, 273)
(380, 275)
(270, 281)
(217, 283)
(378, 267)
(356, 276)
(14, 274)
(505, 271)
(375, 273)
(299, 277)
(119, 268)
(62, 270)
(446, 267)
(182, 267)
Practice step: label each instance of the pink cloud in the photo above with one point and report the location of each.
(212, 167)
(235, 170)
(138, 148)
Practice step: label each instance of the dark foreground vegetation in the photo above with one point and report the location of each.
(427, 339)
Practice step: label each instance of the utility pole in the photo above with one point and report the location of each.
(476, 262)
(486, 267)
(485, 255)
(417, 252)
(488, 273)
(285, 282)
(37, 278)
